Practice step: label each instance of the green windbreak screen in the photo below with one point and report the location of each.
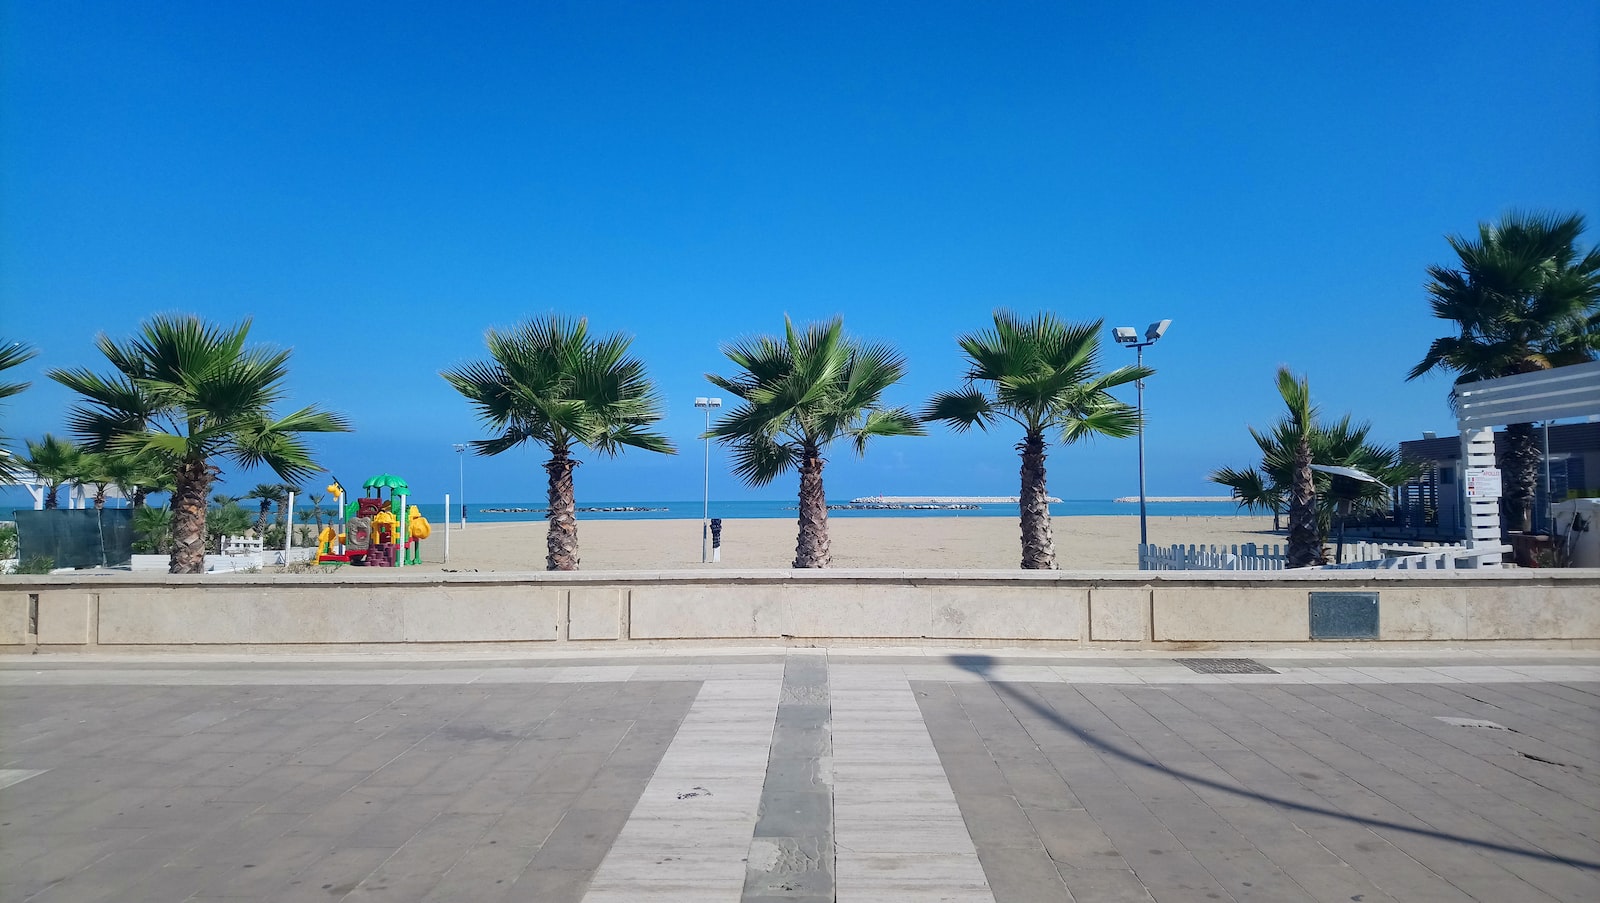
(77, 538)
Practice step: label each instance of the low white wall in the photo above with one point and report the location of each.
(244, 561)
(383, 609)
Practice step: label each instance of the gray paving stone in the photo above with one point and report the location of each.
(333, 876)
(233, 786)
(580, 840)
(1073, 838)
(1023, 874)
(1104, 885)
(1176, 877)
(1337, 884)
(1249, 877)
(419, 865)
(998, 821)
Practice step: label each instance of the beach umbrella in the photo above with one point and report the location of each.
(1343, 507)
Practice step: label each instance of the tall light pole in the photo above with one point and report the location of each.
(1127, 335)
(708, 404)
(461, 477)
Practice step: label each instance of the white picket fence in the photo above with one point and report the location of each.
(1246, 557)
(1357, 556)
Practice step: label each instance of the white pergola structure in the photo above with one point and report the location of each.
(79, 495)
(1558, 394)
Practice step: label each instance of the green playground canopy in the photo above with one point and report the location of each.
(387, 481)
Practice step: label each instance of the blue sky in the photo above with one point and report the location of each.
(377, 183)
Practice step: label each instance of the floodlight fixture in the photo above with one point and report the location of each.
(1129, 337)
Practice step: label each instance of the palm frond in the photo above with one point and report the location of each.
(962, 410)
(1041, 372)
(183, 389)
(885, 422)
(548, 381)
(758, 460)
(1296, 395)
(1113, 419)
(1521, 297)
(12, 355)
(803, 389)
(1252, 489)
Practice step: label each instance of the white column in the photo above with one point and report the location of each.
(288, 529)
(402, 530)
(1483, 514)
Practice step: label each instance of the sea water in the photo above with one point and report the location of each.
(788, 509)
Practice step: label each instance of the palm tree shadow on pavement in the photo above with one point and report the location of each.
(983, 665)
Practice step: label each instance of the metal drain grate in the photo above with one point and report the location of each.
(1224, 666)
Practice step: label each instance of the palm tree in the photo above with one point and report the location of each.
(152, 529)
(1041, 374)
(12, 354)
(187, 393)
(267, 493)
(91, 472)
(550, 383)
(1522, 300)
(1295, 431)
(1342, 443)
(801, 392)
(56, 462)
(135, 475)
(225, 519)
(283, 515)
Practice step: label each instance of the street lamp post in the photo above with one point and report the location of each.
(461, 477)
(708, 404)
(1127, 335)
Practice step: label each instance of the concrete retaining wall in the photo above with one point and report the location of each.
(1151, 609)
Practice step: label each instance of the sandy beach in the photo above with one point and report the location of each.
(1082, 543)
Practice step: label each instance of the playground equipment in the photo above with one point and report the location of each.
(376, 531)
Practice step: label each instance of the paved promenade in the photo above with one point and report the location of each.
(1336, 775)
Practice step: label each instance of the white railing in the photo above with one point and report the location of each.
(241, 545)
(1246, 557)
(216, 564)
(1436, 558)
(1357, 556)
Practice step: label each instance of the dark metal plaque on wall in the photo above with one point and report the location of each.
(1344, 616)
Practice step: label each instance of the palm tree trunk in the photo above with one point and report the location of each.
(561, 542)
(139, 495)
(1038, 543)
(1521, 475)
(812, 548)
(1304, 547)
(50, 502)
(189, 518)
(100, 497)
(261, 518)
